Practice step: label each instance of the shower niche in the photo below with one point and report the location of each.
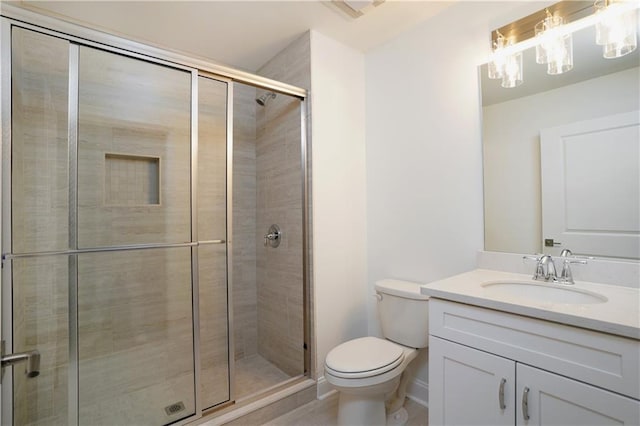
(133, 258)
(131, 180)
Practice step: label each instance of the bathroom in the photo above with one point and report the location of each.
(396, 154)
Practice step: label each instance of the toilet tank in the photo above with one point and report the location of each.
(404, 312)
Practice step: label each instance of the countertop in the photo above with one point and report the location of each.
(619, 315)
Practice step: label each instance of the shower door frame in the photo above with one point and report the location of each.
(82, 36)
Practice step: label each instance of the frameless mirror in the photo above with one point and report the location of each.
(561, 156)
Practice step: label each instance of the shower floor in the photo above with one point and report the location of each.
(255, 374)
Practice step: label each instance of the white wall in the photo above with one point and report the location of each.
(424, 163)
(512, 152)
(339, 202)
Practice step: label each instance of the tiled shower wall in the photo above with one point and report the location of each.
(244, 222)
(279, 201)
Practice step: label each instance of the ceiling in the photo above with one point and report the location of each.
(242, 34)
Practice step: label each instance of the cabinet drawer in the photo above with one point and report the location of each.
(610, 362)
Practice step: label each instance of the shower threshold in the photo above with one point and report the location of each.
(276, 398)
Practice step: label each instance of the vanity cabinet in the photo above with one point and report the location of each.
(466, 384)
(494, 368)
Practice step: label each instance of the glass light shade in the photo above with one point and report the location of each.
(496, 65)
(512, 74)
(553, 48)
(560, 55)
(545, 31)
(494, 69)
(624, 47)
(541, 53)
(615, 31)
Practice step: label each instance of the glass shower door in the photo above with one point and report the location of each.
(212, 242)
(35, 283)
(98, 251)
(136, 363)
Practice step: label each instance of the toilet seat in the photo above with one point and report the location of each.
(363, 357)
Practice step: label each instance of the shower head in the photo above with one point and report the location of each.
(262, 100)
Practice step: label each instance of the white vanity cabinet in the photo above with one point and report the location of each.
(468, 386)
(486, 365)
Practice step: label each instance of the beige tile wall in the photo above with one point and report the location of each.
(212, 259)
(135, 336)
(40, 321)
(131, 107)
(40, 158)
(135, 319)
(131, 180)
(279, 195)
(40, 216)
(212, 159)
(244, 222)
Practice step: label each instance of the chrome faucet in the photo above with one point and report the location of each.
(546, 268)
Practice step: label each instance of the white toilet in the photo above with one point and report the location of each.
(368, 371)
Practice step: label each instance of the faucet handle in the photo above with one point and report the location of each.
(569, 253)
(539, 269)
(566, 277)
(585, 258)
(534, 257)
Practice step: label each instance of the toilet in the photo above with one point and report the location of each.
(368, 371)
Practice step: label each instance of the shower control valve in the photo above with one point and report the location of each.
(273, 236)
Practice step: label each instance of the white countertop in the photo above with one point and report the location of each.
(619, 315)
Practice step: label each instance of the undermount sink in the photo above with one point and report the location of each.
(544, 292)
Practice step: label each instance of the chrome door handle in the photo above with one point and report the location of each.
(501, 394)
(32, 358)
(525, 403)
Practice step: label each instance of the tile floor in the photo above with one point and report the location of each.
(255, 374)
(325, 413)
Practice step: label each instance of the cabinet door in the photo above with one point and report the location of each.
(555, 400)
(468, 386)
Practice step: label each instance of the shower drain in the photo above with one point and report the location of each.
(174, 408)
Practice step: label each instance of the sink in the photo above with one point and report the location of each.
(544, 292)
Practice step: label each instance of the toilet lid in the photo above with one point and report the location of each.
(366, 356)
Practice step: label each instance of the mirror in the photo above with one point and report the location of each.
(563, 152)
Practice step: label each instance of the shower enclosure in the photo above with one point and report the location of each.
(138, 192)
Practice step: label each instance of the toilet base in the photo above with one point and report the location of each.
(361, 410)
(398, 418)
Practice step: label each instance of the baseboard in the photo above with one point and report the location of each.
(418, 391)
(324, 388)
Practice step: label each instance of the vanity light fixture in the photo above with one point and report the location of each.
(615, 32)
(550, 32)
